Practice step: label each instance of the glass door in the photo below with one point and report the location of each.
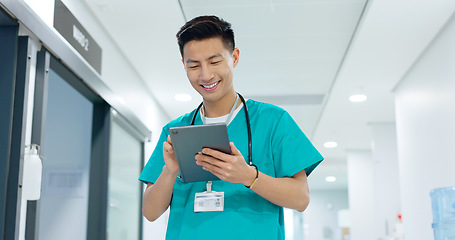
(66, 165)
(124, 219)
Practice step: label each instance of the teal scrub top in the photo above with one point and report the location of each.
(280, 149)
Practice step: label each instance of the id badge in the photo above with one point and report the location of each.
(209, 202)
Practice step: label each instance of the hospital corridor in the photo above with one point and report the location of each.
(357, 97)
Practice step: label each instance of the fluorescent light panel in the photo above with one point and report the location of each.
(330, 179)
(330, 144)
(358, 98)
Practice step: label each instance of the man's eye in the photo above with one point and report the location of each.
(193, 67)
(216, 62)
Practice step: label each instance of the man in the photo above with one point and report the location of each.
(255, 191)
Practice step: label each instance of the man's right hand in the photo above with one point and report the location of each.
(170, 160)
(157, 196)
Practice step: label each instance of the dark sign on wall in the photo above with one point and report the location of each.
(68, 26)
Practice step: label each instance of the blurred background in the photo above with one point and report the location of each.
(370, 82)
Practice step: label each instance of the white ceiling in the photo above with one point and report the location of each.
(307, 56)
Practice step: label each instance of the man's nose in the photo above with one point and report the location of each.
(206, 73)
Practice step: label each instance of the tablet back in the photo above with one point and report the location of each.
(189, 140)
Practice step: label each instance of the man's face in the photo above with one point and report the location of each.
(209, 67)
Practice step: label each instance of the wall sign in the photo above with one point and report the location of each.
(73, 31)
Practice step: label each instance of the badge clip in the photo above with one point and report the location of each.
(209, 186)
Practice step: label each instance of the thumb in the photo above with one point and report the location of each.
(234, 150)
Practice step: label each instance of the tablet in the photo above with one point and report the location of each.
(189, 140)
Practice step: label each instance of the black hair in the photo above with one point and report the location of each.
(204, 27)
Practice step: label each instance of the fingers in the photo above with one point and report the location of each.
(169, 139)
(222, 157)
(213, 165)
(216, 171)
(234, 150)
(167, 146)
(215, 153)
(201, 159)
(169, 158)
(227, 167)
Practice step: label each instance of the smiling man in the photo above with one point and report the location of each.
(270, 161)
(210, 69)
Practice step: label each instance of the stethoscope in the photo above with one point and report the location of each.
(245, 108)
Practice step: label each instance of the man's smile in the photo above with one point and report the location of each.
(210, 87)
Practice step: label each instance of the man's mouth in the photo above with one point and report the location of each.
(210, 86)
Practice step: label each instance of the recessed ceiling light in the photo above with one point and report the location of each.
(358, 98)
(330, 144)
(330, 179)
(182, 97)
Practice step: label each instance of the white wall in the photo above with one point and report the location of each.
(119, 74)
(361, 194)
(373, 183)
(386, 177)
(321, 217)
(117, 71)
(425, 117)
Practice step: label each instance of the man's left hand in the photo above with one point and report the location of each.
(231, 168)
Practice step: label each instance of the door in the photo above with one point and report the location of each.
(66, 165)
(124, 190)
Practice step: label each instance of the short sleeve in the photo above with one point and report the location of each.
(292, 150)
(155, 164)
